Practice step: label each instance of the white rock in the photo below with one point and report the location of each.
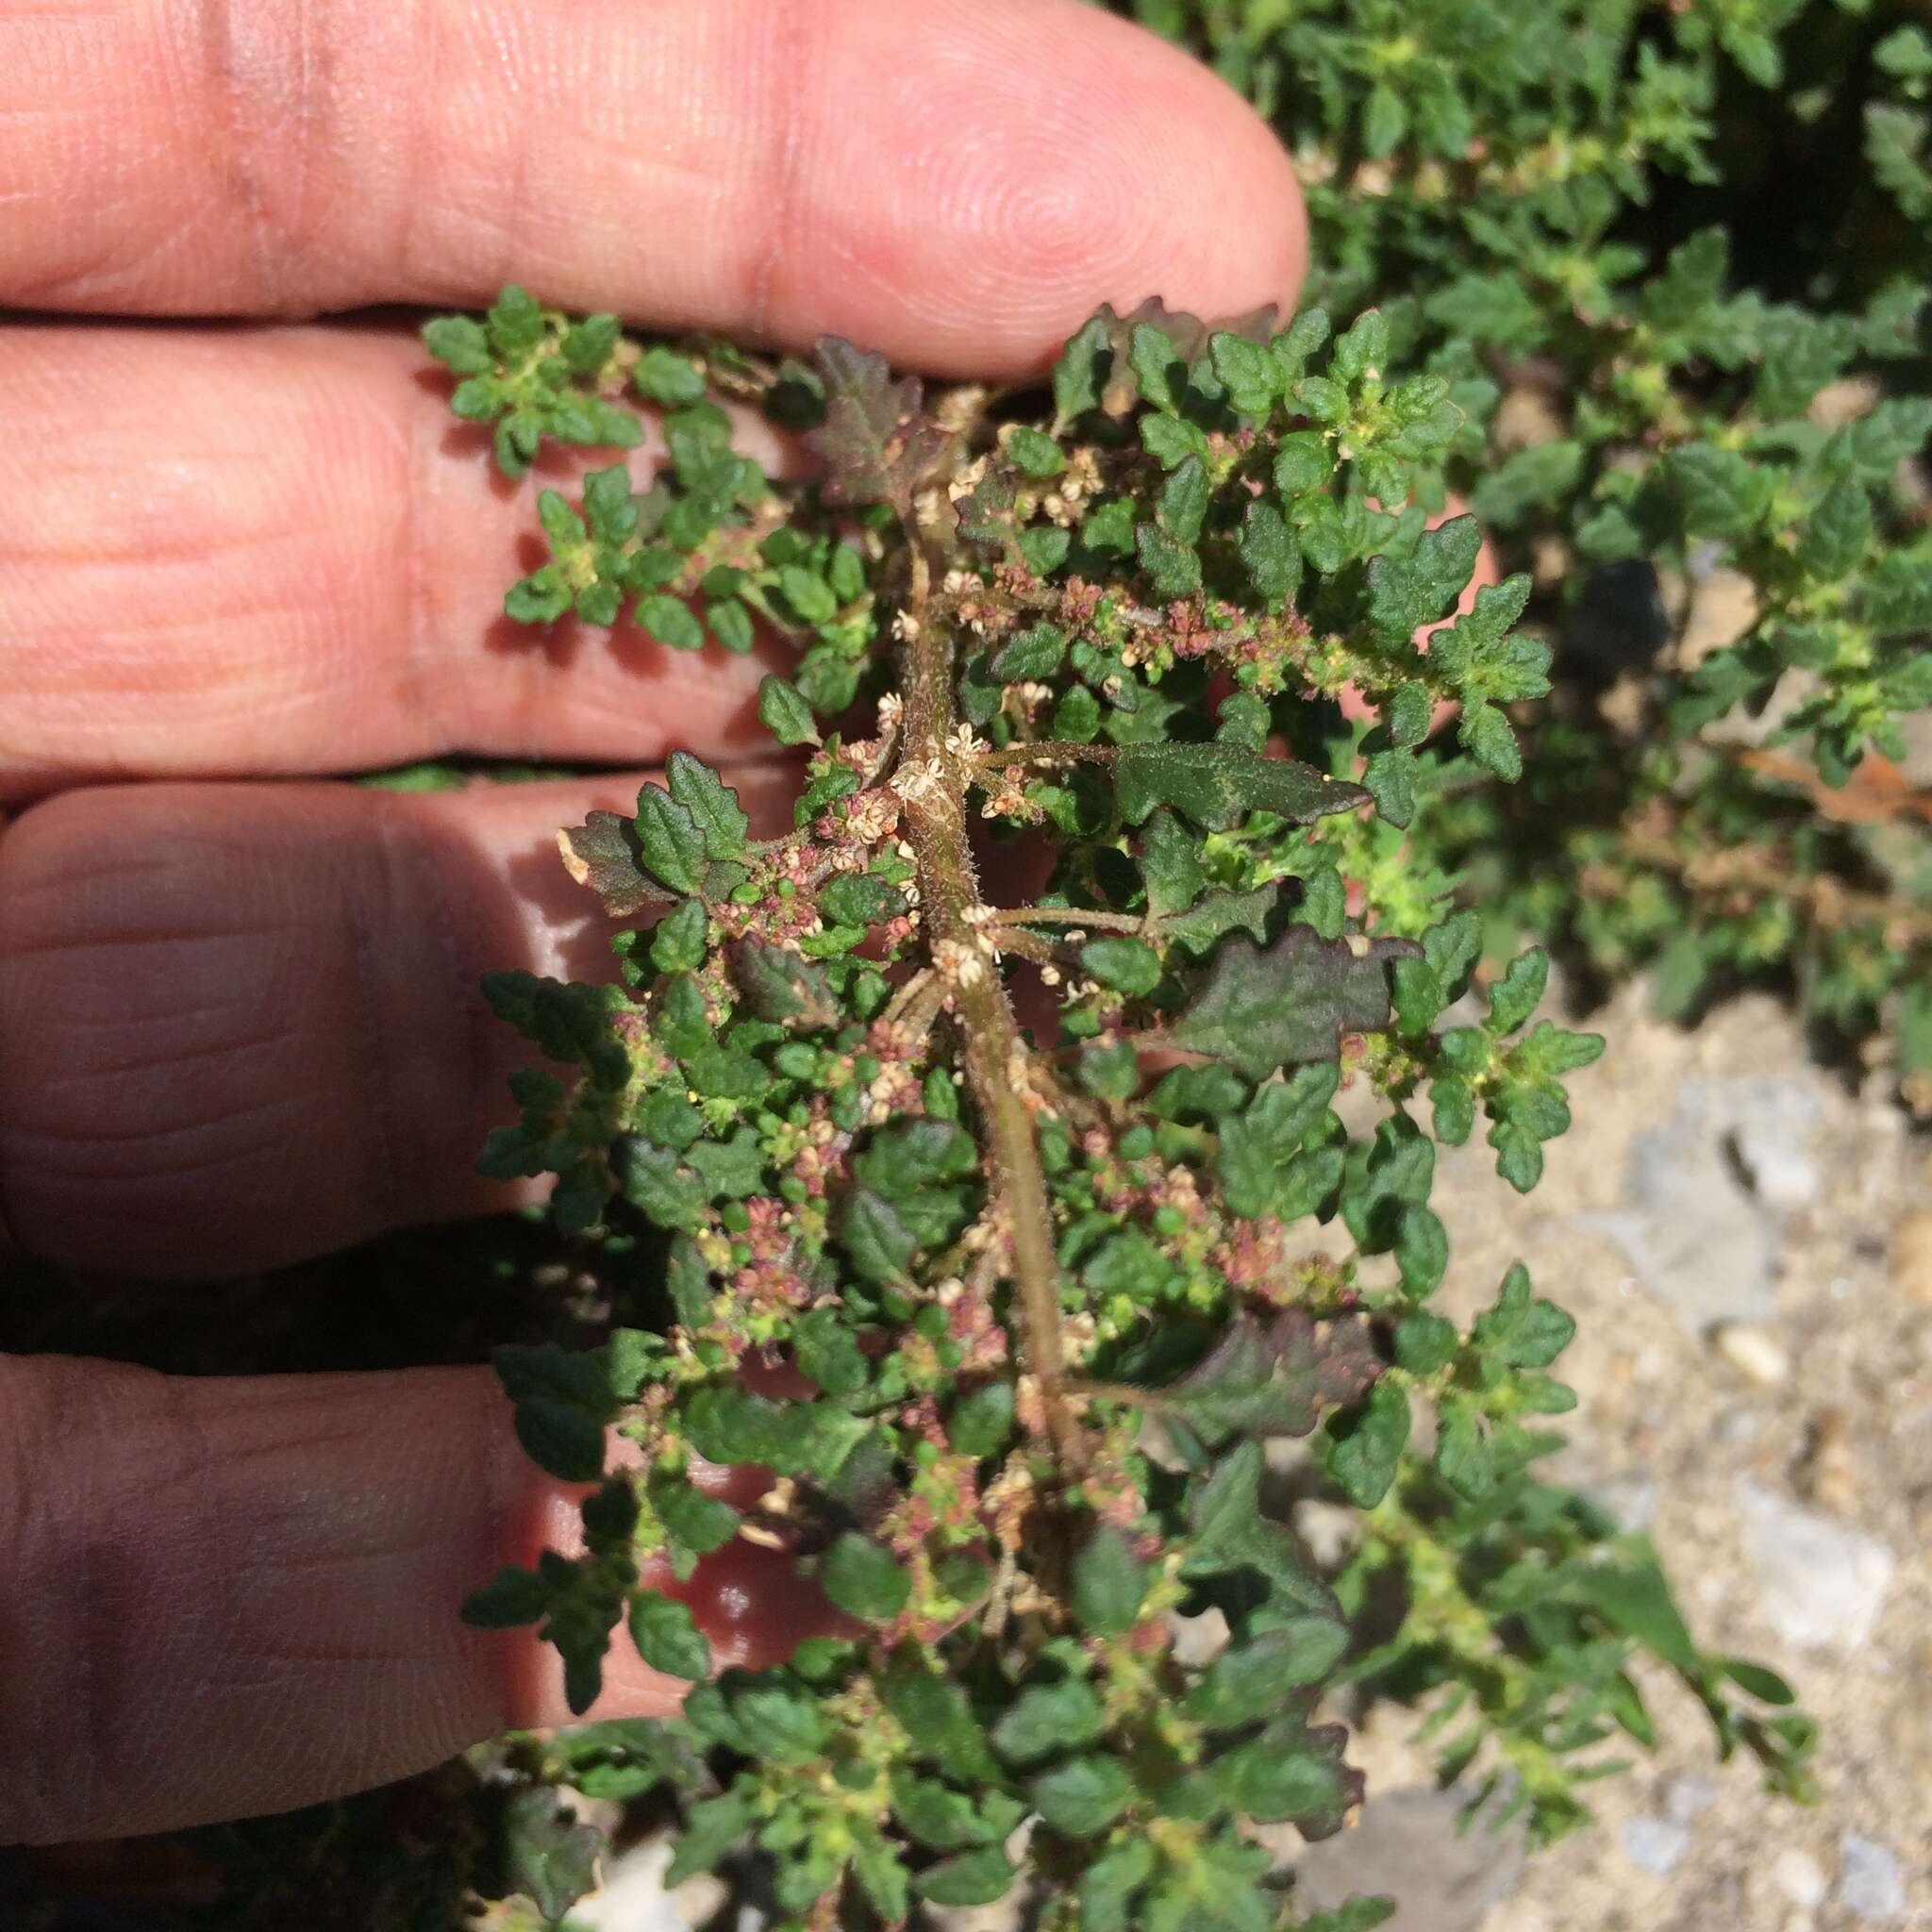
(1690, 1797)
(1328, 1530)
(1656, 1844)
(1869, 1883)
(1821, 1583)
(1800, 1877)
(1783, 1175)
(1629, 1500)
(632, 1897)
(1756, 1356)
(1413, 1845)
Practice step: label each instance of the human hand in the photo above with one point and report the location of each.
(239, 1021)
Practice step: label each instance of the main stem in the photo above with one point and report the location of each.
(995, 1052)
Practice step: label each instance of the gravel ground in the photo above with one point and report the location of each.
(1747, 1247)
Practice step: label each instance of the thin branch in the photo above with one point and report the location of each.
(1053, 752)
(1073, 915)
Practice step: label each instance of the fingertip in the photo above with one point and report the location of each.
(1036, 161)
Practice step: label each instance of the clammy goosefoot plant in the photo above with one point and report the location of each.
(1006, 1227)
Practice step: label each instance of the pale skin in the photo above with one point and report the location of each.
(238, 1019)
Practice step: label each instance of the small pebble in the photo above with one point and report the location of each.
(1690, 1797)
(1754, 1355)
(1821, 1583)
(1869, 1884)
(1911, 1256)
(1800, 1877)
(1629, 1500)
(1654, 1843)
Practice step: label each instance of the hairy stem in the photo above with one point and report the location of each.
(949, 896)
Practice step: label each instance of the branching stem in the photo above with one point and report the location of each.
(949, 892)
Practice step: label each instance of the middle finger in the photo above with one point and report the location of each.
(236, 552)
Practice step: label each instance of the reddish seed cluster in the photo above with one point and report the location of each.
(768, 1282)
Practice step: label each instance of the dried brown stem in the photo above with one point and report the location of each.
(949, 895)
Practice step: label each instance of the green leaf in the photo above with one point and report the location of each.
(863, 1579)
(677, 941)
(974, 1878)
(1253, 1680)
(671, 620)
(1217, 785)
(860, 899)
(981, 1422)
(459, 343)
(1157, 363)
(1759, 1681)
(933, 1814)
(700, 1522)
(1833, 540)
(1365, 1444)
(1422, 1251)
(1231, 1533)
(1036, 454)
(1183, 505)
(784, 985)
(878, 1241)
(1109, 1583)
(1083, 1796)
(561, 1438)
(1271, 552)
(1247, 371)
(1173, 565)
(1079, 373)
(1720, 493)
(909, 1155)
(1425, 1343)
(1110, 1882)
(1520, 1330)
(1463, 1452)
(653, 1182)
(1362, 348)
(1488, 738)
(670, 839)
(1034, 653)
(1634, 1598)
(1273, 1380)
(712, 1827)
(1047, 1718)
(513, 1597)
(938, 1720)
(784, 713)
(1260, 1008)
(1516, 996)
(712, 802)
(667, 1638)
(1292, 1773)
(808, 593)
(662, 375)
(1129, 965)
(547, 1855)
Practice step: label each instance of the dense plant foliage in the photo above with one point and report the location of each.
(1003, 1229)
(1675, 259)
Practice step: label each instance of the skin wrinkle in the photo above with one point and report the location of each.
(423, 471)
(394, 1177)
(793, 51)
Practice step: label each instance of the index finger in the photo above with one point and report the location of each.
(957, 183)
